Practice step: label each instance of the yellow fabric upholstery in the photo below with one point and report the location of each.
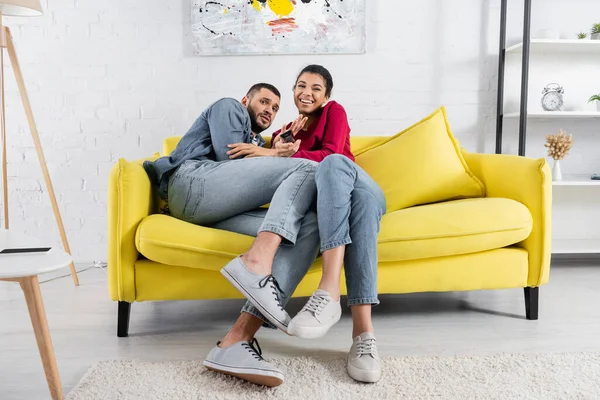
(169, 144)
(436, 230)
(452, 228)
(167, 240)
(495, 269)
(499, 241)
(528, 181)
(420, 165)
(130, 199)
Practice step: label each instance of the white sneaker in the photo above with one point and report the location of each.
(262, 290)
(244, 360)
(319, 314)
(364, 364)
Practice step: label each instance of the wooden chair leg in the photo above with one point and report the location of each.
(35, 305)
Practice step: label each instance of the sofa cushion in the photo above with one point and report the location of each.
(452, 228)
(435, 230)
(421, 165)
(168, 240)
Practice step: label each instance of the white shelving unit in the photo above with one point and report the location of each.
(574, 204)
(577, 180)
(556, 115)
(558, 46)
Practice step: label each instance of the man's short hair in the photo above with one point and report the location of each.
(257, 87)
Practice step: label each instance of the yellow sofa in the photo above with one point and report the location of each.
(496, 242)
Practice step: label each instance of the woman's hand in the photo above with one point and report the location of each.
(295, 127)
(249, 150)
(297, 124)
(287, 149)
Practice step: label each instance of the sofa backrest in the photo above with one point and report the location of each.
(358, 143)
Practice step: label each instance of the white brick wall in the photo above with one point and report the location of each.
(112, 78)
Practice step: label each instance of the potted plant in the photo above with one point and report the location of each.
(596, 32)
(582, 35)
(596, 98)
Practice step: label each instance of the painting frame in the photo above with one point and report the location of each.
(278, 27)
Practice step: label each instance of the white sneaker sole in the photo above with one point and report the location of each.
(256, 304)
(311, 332)
(363, 375)
(256, 376)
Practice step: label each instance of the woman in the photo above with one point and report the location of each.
(349, 207)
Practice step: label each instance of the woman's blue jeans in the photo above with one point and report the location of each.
(349, 208)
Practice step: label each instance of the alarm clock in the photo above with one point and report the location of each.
(552, 97)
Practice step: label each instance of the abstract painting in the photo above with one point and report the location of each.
(230, 27)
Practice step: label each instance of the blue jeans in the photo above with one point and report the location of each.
(291, 263)
(227, 195)
(349, 208)
(206, 192)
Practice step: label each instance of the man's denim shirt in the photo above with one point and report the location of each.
(224, 122)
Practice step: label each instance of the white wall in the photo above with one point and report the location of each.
(111, 78)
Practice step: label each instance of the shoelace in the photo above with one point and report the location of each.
(276, 290)
(316, 304)
(366, 347)
(255, 351)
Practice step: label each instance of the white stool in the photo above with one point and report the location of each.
(25, 268)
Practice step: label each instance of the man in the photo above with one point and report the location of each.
(203, 185)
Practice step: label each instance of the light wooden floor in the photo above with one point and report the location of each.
(83, 326)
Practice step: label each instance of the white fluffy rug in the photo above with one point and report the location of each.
(506, 376)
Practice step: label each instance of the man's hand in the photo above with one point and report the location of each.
(248, 150)
(287, 149)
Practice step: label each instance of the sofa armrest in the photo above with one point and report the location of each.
(528, 181)
(130, 199)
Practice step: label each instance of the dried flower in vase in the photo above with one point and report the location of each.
(558, 145)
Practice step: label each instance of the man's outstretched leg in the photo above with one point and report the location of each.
(207, 192)
(290, 265)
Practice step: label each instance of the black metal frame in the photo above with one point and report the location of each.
(531, 294)
(524, 77)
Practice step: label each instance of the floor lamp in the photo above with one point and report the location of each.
(24, 8)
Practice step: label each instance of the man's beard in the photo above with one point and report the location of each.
(256, 128)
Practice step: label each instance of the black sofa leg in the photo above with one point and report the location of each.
(123, 319)
(532, 299)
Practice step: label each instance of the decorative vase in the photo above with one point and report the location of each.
(595, 36)
(556, 172)
(598, 105)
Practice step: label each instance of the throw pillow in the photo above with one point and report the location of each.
(420, 165)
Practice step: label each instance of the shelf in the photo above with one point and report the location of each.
(576, 180)
(576, 246)
(557, 114)
(559, 46)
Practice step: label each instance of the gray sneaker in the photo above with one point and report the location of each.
(244, 360)
(319, 314)
(262, 290)
(364, 364)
